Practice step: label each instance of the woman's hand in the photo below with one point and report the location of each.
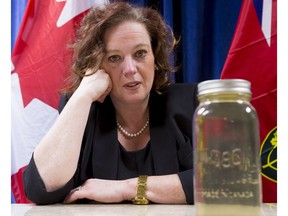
(166, 189)
(104, 191)
(96, 86)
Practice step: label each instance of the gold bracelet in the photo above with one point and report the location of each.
(140, 198)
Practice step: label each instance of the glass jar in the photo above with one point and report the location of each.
(227, 179)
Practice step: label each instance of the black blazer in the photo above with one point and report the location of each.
(171, 116)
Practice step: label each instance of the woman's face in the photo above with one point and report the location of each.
(129, 61)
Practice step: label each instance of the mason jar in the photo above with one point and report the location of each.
(227, 178)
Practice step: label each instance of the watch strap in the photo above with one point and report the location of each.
(140, 198)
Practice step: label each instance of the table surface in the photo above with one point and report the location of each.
(116, 210)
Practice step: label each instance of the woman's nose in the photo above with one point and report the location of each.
(129, 66)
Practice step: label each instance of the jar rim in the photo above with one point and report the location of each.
(224, 85)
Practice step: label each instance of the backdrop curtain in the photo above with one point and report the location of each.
(206, 29)
(17, 11)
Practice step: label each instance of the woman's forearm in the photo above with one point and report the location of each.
(57, 154)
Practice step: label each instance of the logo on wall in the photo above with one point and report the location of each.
(269, 156)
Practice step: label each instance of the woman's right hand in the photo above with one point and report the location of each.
(96, 86)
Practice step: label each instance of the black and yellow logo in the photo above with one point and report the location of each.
(269, 156)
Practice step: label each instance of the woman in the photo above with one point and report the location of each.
(120, 120)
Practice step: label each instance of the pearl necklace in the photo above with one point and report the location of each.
(126, 133)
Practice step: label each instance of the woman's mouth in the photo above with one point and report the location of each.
(132, 85)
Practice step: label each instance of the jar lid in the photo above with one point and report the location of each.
(224, 85)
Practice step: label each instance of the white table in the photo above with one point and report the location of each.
(115, 210)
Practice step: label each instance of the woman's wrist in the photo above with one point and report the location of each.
(80, 95)
(129, 188)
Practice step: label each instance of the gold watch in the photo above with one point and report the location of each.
(140, 198)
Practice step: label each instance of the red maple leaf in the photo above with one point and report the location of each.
(41, 57)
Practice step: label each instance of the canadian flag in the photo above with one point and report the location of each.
(253, 56)
(41, 62)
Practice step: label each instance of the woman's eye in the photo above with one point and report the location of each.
(113, 58)
(141, 53)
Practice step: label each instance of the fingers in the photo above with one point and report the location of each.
(106, 82)
(75, 194)
(97, 86)
(97, 190)
(103, 96)
(78, 188)
(106, 92)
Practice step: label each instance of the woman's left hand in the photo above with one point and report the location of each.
(104, 191)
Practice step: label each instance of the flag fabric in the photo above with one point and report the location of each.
(253, 56)
(40, 64)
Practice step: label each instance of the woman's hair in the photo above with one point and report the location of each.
(89, 47)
